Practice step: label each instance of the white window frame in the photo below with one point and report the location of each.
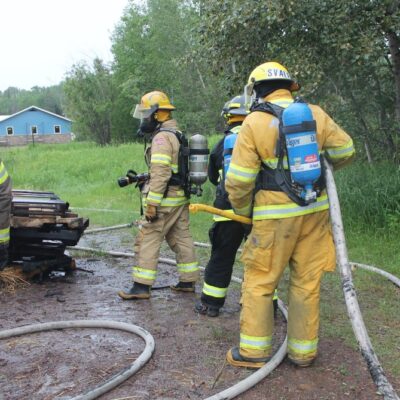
(34, 126)
(12, 130)
(54, 130)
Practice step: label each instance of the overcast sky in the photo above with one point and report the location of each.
(41, 39)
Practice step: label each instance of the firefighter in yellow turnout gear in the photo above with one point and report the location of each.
(5, 212)
(283, 232)
(166, 205)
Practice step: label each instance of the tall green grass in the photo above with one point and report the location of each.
(85, 175)
(370, 196)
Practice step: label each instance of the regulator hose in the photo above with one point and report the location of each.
(107, 324)
(350, 295)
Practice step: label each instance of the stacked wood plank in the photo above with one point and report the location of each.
(41, 228)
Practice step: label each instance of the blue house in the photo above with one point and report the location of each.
(33, 124)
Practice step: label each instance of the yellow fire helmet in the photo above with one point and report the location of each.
(269, 71)
(235, 106)
(150, 103)
(235, 110)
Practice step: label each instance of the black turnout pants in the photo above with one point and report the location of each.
(225, 238)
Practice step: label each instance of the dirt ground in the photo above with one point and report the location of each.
(188, 362)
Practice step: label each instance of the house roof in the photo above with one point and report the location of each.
(4, 117)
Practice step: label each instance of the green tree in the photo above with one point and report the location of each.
(49, 98)
(90, 100)
(345, 53)
(153, 50)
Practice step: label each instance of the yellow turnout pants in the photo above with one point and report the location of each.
(173, 225)
(306, 244)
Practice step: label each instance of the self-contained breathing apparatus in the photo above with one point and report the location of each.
(303, 179)
(192, 163)
(229, 144)
(192, 166)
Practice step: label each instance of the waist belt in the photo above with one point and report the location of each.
(175, 180)
(266, 181)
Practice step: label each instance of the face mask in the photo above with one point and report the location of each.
(147, 126)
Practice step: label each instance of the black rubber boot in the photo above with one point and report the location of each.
(183, 287)
(237, 360)
(206, 310)
(3, 256)
(137, 291)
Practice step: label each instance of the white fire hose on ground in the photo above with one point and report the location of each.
(360, 331)
(116, 379)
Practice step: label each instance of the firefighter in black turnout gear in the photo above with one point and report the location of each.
(225, 235)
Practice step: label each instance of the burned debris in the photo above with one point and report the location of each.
(42, 226)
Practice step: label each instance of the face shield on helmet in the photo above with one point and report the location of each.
(142, 113)
(150, 103)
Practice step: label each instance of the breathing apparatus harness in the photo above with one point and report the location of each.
(225, 152)
(180, 178)
(284, 180)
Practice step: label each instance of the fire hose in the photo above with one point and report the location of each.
(353, 308)
(116, 379)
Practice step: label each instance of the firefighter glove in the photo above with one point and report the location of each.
(150, 213)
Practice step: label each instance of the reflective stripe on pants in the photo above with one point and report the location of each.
(173, 225)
